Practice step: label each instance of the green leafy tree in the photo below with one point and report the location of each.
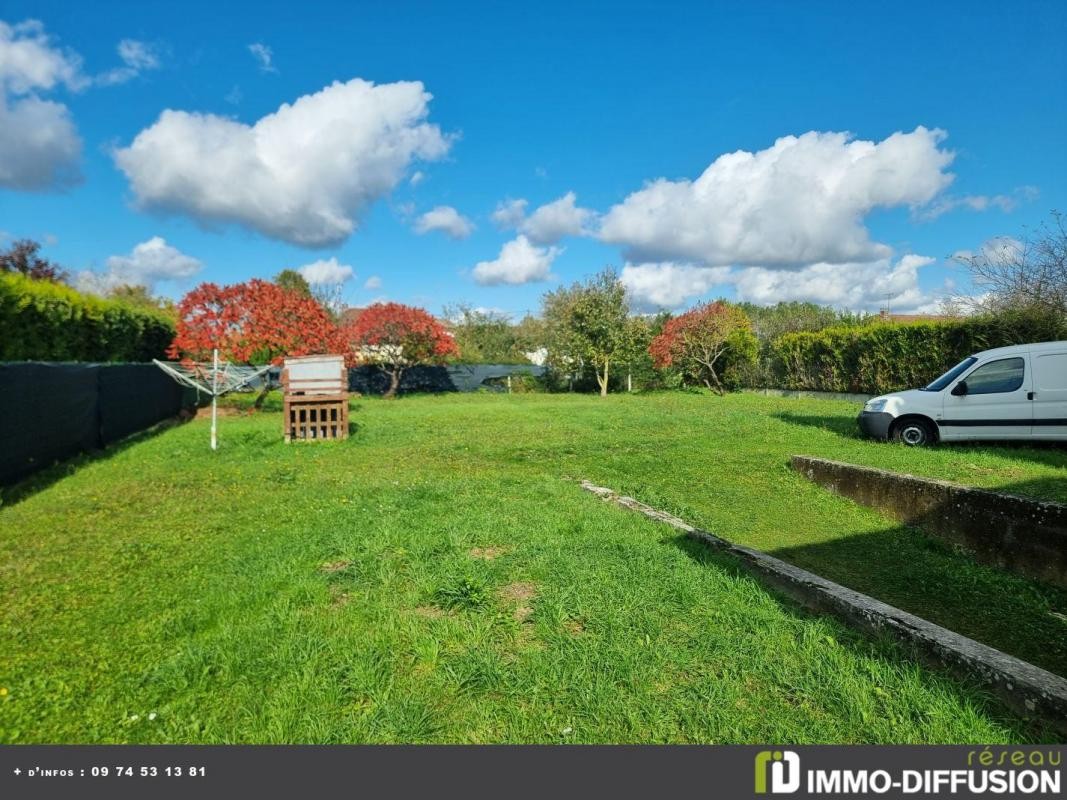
(770, 322)
(137, 296)
(531, 335)
(293, 281)
(589, 327)
(641, 373)
(485, 337)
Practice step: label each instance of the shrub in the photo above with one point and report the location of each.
(882, 358)
(45, 321)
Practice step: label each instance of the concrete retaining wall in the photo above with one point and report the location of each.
(1028, 537)
(1030, 690)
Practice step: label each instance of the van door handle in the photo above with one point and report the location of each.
(1029, 395)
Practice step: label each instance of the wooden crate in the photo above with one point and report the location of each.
(315, 404)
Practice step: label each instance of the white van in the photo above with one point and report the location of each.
(1015, 392)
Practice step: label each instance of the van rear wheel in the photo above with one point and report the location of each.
(914, 433)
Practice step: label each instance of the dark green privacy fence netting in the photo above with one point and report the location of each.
(49, 412)
(450, 378)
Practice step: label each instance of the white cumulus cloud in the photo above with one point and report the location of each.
(30, 61)
(302, 174)
(553, 221)
(858, 287)
(509, 213)
(548, 223)
(147, 264)
(373, 282)
(999, 249)
(801, 201)
(39, 146)
(445, 219)
(667, 285)
(326, 272)
(519, 262)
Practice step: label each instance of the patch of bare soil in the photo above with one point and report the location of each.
(331, 567)
(429, 612)
(522, 613)
(573, 627)
(338, 598)
(487, 553)
(519, 591)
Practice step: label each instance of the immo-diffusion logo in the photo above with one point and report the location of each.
(1018, 771)
(784, 768)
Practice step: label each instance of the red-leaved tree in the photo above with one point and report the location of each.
(255, 322)
(695, 342)
(396, 337)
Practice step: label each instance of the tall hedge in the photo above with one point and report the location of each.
(889, 357)
(43, 321)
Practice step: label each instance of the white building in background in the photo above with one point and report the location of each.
(538, 356)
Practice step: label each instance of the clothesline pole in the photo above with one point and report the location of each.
(214, 399)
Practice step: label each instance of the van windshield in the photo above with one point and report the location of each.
(950, 376)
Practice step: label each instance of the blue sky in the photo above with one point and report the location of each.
(531, 102)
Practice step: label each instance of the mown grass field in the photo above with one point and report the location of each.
(440, 577)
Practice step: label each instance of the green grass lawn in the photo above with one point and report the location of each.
(440, 577)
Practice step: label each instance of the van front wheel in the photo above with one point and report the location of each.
(914, 433)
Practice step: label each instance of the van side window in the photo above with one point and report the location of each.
(1005, 375)
(1050, 372)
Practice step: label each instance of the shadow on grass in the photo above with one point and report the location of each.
(1051, 453)
(880, 645)
(835, 423)
(44, 478)
(908, 569)
(948, 566)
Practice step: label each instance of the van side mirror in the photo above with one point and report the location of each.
(960, 389)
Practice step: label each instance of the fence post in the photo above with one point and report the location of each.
(509, 384)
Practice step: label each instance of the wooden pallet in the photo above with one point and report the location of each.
(315, 417)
